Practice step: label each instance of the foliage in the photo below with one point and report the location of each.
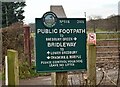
(24, 69)
(110, 24)
(12, 12)
(28, 72)
(13, 39)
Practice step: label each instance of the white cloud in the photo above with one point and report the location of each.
(73, 8)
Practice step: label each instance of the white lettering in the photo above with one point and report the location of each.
(68, 31)
(61, 31)
(47, 31)
(60, 44)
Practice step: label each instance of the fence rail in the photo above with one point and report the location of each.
(107, 52)
(113, 32)
(107, 46)
(115, 39)
(108, 57)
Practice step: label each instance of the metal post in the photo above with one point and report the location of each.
(118, 80)
(27, 50)
(118, 27)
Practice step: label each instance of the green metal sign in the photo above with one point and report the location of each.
(60, 43)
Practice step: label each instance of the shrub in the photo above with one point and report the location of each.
(13, 38)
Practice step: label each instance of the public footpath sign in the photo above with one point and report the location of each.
(60, 43)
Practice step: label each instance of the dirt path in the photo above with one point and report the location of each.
(44, 80)
(76, 80)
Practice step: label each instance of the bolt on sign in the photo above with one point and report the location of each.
(60, 43)
(92, 38)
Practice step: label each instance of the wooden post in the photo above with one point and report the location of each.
(59, 78)
(13, 69)
(6, 70)
(91, 64)
(27, 50)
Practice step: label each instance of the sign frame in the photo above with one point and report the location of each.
(67, 34)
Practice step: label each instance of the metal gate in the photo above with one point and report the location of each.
(107, 57)
(107, 61)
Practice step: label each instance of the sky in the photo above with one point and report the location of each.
(72, 8)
